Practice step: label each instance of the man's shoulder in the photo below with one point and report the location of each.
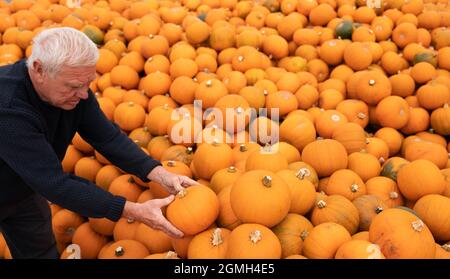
(10, 83)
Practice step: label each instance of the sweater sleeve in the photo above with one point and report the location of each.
(107, 138)
(24, 148)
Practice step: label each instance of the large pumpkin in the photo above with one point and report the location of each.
(435, 212)
(420, 178)
(337, 209)
(291, 232)
(194, 209)
(253, 241)
(261, 197)
(325, 156)
(324, 240)
(400, 234)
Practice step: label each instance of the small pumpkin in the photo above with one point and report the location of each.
(365, 165)
(253, 241)
(302, 191)
(291, 232)
(386, 189)
(125, 229)
(210, 158)
(210, 244)
(337, 209)
(89, 241)
(125, 249)
(325, 156)
(359, 249)
(346, 183)
(419, 178)
(434, 210)
(368, 207)
(324, 240)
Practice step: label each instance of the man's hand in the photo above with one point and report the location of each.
(173, 183)
(150, 214)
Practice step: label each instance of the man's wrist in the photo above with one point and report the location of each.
(130, 210)
(155, 173)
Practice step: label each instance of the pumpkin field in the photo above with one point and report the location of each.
(350, 159)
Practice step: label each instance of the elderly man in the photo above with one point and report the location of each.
(44, 101)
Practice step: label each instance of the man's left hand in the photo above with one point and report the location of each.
(173, 183)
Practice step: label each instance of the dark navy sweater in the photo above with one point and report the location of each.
(34, 137)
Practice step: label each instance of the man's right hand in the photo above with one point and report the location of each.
(150, 214)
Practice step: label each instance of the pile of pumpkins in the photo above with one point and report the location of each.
(361, 168)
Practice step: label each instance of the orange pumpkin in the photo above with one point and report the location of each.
(420, 178)
(89, 241)
(210, 158)
(302, 191)
(266, 159)
(256, 193)
(400, 234)
(337, 209)
(64, 224)
(351, 135)
(325, 156)
(386, 189)
(364, 164)
(324, 240)
(125, 249)
(291, 232)
(156, 241)
(125, 229)
(253, 241)
(434, 210)
(359, 249)
(226, 219)
(223, 178)
(368, 207)
(194, 209)
(210, 244)
(346, 183)
(298, 131)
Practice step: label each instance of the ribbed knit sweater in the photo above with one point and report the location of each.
(34, 137)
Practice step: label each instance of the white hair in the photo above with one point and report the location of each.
(64, 46)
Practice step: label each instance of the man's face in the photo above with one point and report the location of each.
(67, 87)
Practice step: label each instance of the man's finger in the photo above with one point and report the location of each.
(165, 201)
(177, 185)
(186, 181)
(170, 229)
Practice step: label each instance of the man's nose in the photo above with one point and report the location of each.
(82, 93)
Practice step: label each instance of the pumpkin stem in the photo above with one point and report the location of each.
(381, 160)
(361, 115)
(145, 129)
(445, 105)
(119, 251)
(189, 150)
(417, 225)
(240, 58)
(267, 181)
(208, 83)
(70, 230)
(130, 104)
(372, 82)
(354, 188)
(378, 210)
(255, 236)
(131, 180)
(265, 92)
(166, 106)
(182, 193)
(130, 220)
(446, 247)
(242, 148)
(217, 237)
(239, 110)
(301, 173)
(393, 195)
(231, 169)
(215, 142)
(171, 163)
(321, 204)
(304, 234)
(171, 255)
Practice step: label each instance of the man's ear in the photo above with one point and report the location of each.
(38, 70)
